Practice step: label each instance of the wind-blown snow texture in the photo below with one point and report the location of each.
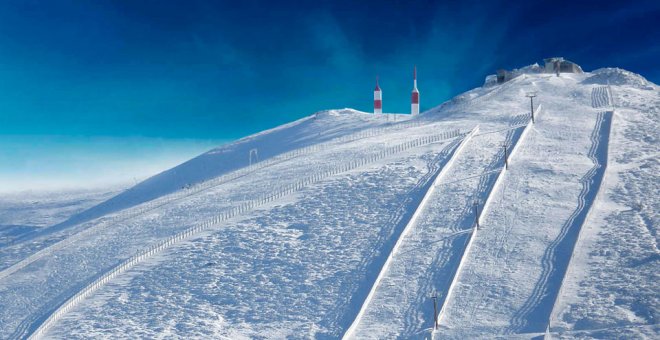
(302, 243)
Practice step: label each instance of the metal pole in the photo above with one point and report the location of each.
(435, 311)
(506, 158)
(254, 152)
(476, 214)
(531, 96)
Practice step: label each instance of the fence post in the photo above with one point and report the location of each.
(435, 310)
(476, 214)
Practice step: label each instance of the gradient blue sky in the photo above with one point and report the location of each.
(219, 70)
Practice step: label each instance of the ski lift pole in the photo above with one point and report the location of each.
(476, 214)
(506, 158)
(435, 310)
(531, 96)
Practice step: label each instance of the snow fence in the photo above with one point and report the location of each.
(141, 209)
(236, 211)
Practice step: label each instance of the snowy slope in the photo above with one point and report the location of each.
(305, 258)
(71, 267)
(336, 125)
(611, 284)
(207, 170)
(348, 223)
(516, 272)
(514, 268)
(26, 212)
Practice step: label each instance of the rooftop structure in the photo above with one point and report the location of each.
(561, 65)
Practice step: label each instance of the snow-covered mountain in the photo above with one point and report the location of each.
(345, 224)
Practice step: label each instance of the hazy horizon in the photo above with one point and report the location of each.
(70, 163)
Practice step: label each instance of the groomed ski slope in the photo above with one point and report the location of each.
(347, 223)
(610, 290)
(436, 241)
(517, 279)
(513, 273)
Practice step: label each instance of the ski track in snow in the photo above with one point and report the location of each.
(69, 235)
(446, 253)
(34, 321)
(535, 313)
(332, 313)
(611, 290)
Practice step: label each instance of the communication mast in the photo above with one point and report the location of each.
(378, 98)
(414, 106)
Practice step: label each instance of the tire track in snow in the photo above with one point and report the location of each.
(600, 97)
(535, 312)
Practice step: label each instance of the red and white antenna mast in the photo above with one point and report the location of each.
(414, 106)
(378, 98)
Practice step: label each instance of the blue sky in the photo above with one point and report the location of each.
(171, 71)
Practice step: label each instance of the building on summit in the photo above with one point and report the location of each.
(561, 65)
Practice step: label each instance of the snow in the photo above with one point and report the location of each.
(350, 221)
(292, 260)
(515, 267)
(612, 284)
(23, 213)
(434, 246)
(110, 243)
(617, 76)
